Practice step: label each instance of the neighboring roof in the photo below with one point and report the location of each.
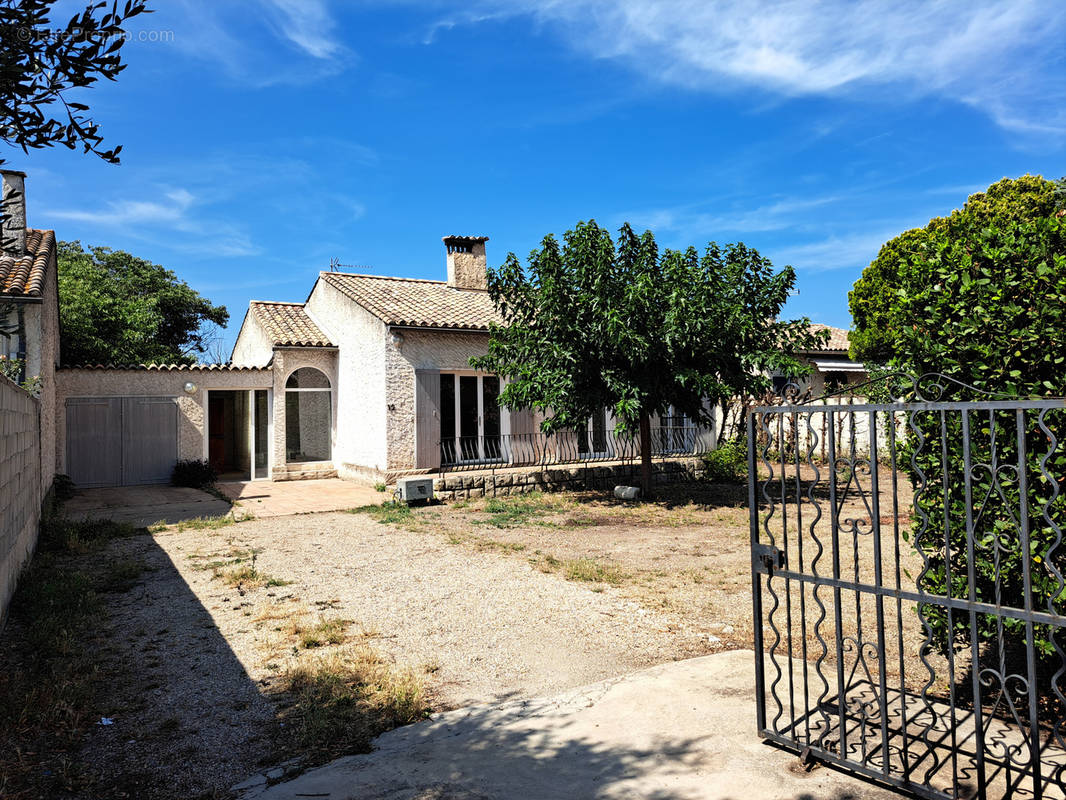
(417, 303)
(23, 276)
(838, 338)
(170, 367)
(288, 325)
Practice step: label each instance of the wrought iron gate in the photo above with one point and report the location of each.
(907, 577)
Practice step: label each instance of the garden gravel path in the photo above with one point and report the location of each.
(199, 659)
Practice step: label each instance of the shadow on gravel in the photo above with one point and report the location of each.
(115, 681)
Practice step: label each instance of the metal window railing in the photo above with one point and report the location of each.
(565, 447)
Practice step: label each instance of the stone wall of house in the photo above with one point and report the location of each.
(459, 486)
(192, 418)
(253, 347)
(21, 487)
(360, 387)
(286, 361)
(442, 350)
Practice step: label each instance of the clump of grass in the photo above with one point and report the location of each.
(322, 633)
(380, 487)
(519, 509)
(339, 702)
(208, 523)
(247, 576)
(389, 513)
(121, 576)
(82, 535)
(591, 571)
(492, 544)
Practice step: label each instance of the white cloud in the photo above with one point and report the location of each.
(276, 42)
(854, 250)
(307, 24)
(171, 212)
(1003, 57)
(695, 224)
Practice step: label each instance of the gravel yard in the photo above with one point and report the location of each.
(207, 639)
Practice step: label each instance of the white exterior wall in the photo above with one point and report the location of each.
(359, 387)
(192, 417)
(443, 350)
(253, 347)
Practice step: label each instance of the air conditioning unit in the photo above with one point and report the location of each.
(415, 490)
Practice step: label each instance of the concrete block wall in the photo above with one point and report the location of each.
(20, 484)
(459, 486)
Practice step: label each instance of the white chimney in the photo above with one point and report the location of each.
(13, 206)
(466, 262)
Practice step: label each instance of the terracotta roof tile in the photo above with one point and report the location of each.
(838, 337)
(417, 303)
(23, 276)
(229, 367)
(288, 325)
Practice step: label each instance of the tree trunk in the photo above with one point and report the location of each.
(645, 454)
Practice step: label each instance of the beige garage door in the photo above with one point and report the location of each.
(121, 441)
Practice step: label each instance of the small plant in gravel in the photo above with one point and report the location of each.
(338, 703)
(520, 509)
(322, 633)
(247, 576)
(592, 571)
(82, 535)
(388, 513)
(121, 576)
(207, 523)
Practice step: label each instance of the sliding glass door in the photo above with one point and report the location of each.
(469, 418)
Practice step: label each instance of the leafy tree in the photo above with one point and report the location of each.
(980, 296)
(117, 308)
(41, 62)
(592, 324)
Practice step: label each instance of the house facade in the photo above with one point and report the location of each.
(369, 378)
(395, 355)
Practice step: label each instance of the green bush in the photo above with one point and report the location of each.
(728, 463)
(980, 296)
(62, 487)
(195, 473)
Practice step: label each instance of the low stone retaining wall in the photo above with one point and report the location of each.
(461, 485)
(20, 484)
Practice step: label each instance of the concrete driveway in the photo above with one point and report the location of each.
(144, 505)
(680, 731)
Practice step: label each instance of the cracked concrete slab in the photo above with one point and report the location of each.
(678, 731)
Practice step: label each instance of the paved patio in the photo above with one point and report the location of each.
(278, 499)
(680, 731)
(144, 505)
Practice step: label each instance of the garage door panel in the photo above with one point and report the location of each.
(121, 441)
(94, 441)
(149, 439)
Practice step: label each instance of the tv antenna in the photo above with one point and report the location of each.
(335, 265)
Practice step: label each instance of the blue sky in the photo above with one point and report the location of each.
(264, 137)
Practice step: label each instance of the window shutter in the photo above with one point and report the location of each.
(427, 419)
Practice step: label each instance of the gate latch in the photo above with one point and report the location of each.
(767, 558)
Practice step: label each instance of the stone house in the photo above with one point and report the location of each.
(832, 370)
(368, 378)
